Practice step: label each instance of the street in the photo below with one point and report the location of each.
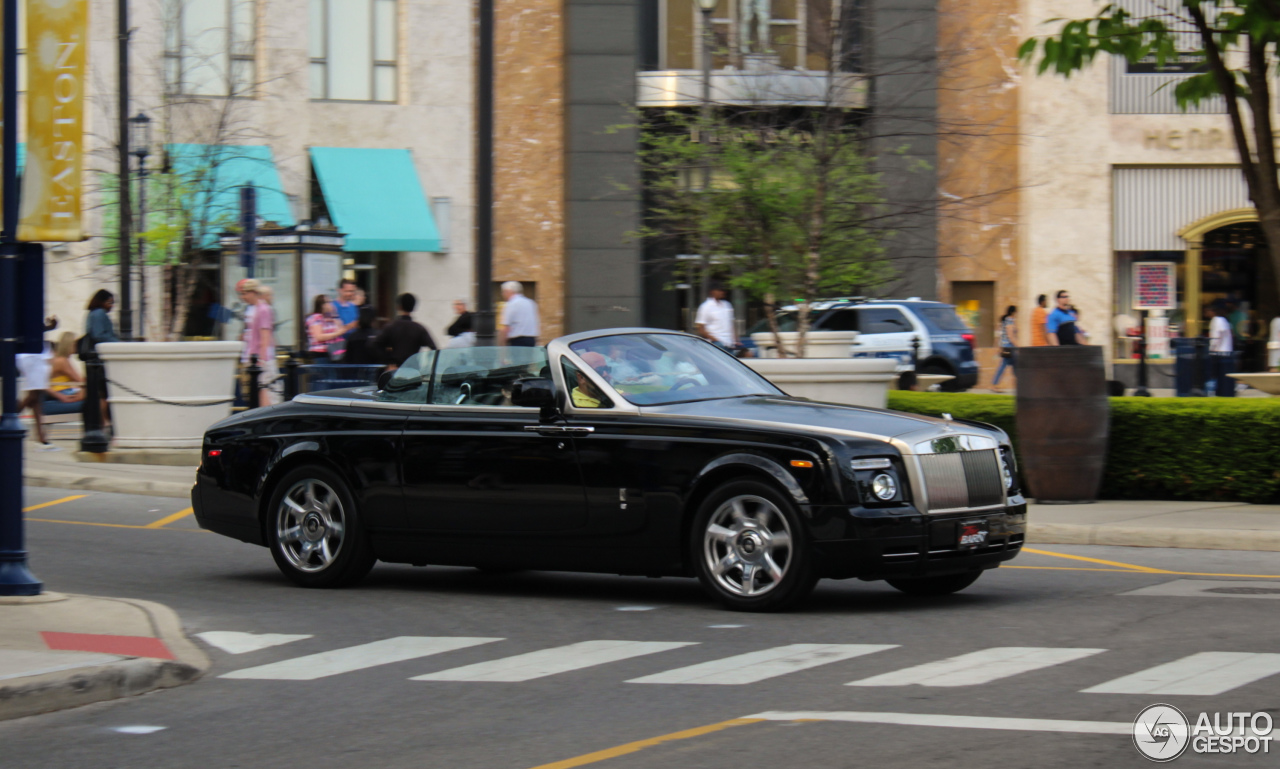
(451, 667)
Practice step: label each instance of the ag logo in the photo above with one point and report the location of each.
(1161, 732)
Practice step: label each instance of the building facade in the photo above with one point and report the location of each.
(351, 114)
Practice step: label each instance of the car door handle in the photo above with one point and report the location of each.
(559, 430)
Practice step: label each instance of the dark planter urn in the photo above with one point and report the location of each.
(1063, 421)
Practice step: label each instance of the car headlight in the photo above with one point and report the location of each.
(1006, 469)
(884, 487)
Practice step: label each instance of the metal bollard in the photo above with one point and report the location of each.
(94, 440)
(254, 370)
(290, 378)
(915, 352)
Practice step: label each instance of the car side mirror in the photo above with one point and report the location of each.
(535, 393)
(384, 379)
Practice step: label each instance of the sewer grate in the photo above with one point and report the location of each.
(1245, 590)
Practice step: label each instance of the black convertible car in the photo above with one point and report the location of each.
(627, 451)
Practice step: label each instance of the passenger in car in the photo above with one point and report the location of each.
(586, 395)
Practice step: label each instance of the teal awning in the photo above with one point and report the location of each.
(374, 196)
(213, 175)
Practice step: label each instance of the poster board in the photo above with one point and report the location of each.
(1155, 286)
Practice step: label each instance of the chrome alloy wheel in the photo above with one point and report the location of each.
(311, 525)
(747, 546)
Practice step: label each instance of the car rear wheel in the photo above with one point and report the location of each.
(750, 549)
(943, 585)
(315, 532)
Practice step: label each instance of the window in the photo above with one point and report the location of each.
(883, 320)
(840, 320)
(795, 34)
(1147, 87)
(353, 50)
(209, 47)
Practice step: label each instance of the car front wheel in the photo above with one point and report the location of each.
(315, 532)
(750, 549)
(943, 585)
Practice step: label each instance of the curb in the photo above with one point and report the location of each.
(75, 481)
(125, 678)
(1129, 536)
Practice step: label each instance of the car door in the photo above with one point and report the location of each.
(885, 332)
(474, 463)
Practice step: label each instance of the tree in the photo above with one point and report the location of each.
(792, 206)
(1235, 43)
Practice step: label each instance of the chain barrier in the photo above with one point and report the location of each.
(144, 396)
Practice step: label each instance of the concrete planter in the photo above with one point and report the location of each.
(178, 372)
(855, 381)
(817, 344)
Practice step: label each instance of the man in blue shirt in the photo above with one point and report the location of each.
(1061, 325)
(348, 310)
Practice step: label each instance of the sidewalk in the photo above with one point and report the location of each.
(60, 470)
(61, 651)
(1203, 525)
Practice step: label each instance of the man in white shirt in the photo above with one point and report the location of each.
(1222, 353)
(518, 326)
(714, 321)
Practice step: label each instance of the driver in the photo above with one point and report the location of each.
(586, 395)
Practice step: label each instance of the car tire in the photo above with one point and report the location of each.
(942, 585)
(750, 549)
(314, 530)
(949, 386)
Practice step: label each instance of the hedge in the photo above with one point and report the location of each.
(1207, 449)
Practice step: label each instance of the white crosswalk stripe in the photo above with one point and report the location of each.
(354, 658)
(758, 666)
(547, 662)
(1203, 673)
(979, 667)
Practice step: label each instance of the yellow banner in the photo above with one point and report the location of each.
(57, 34)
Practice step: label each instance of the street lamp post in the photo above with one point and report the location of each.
(122, 105)
(484, 320)
(140, 147)
(707, 7)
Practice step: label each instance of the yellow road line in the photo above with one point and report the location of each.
(110, 525)
(54, 502)
(1161, 573)
(635, 747)
(1097, 560)
(168, 519)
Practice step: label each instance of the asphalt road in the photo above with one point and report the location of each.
(1070, 618)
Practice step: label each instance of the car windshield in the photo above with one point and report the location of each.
(657, 369)
(943, 318)
(467, 376)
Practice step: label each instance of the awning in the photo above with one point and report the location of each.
(215, 173)
(374, 196)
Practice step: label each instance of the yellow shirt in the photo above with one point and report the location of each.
(582, 400)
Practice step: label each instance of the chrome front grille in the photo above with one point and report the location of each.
(962, 480)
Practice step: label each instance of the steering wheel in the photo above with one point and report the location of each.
(684, 382)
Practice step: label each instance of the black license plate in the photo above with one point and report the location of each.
(973, 534)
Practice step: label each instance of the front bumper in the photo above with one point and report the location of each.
(900, 543)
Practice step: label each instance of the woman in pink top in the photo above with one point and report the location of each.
(324, 331)
(262, 342)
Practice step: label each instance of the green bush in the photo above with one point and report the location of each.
(1160, 448)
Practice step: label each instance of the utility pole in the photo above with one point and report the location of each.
(484, 320)
(125, 245)
(15, 577)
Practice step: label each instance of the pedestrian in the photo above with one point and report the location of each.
(66, 384)
(261, 339)
(403, 337)
(324, 332)
(1222, 351)
(461, 332)
(1039, 314)
(99, 328)
(346, 305)
(360, 340)
(1008, 333)
(519, 323)
(715, 321)
(1060, 327)
(33, 369)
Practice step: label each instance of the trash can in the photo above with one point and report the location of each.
(1190, 365)
(1223, 364)
(336, 376)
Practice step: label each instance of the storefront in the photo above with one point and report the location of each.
(1199, 221)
